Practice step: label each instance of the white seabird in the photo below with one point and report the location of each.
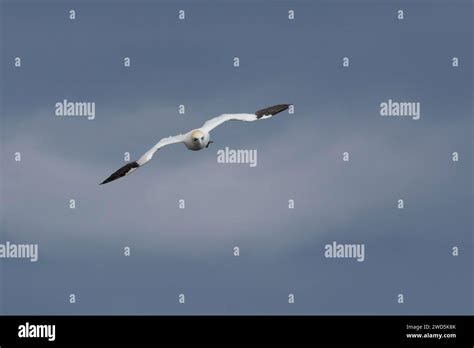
(196, 139)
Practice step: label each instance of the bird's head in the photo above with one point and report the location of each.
(197, 136)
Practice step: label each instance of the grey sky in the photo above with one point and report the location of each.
(299, 157)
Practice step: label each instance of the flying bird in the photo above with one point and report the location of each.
(196, 139)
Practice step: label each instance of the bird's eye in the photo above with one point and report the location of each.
(202, 138)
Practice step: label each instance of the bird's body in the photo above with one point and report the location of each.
(196, 139)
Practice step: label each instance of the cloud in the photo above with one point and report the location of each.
(225, 204)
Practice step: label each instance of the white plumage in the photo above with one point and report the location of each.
(196, 139)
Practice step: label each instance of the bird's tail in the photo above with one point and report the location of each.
(126, 169)
(272, 110)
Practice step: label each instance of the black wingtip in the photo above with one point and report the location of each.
(109, 179)
(272, 110)
(120, 172)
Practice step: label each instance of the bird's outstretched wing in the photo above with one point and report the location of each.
(259, 114)
(132, 166)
